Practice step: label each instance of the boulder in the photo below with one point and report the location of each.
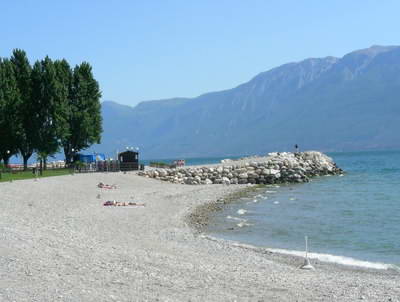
(208, 182)
(243, 175)
(162, 172)
(276, 168)
(226, 181)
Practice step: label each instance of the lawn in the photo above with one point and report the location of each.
(17, 175)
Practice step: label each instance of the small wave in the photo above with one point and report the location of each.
(235, 218)
(276, 202)
(243, 224)
(336, 259)
(242, 211)
(342, 260)
(292, 198)
(270, 191)
(253, 201)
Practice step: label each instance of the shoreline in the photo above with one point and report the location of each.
(60, 244)
(199, 219)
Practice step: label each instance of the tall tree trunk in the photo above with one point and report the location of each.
(45, 163)
(67, 160)
(68, 156)
(6, 159)
(41, 166)
(26, 157)
(25, 162)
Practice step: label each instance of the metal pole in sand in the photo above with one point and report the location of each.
(307, 265)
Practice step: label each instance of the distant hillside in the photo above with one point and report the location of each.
(329, 104)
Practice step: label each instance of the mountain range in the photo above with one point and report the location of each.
(328, 104)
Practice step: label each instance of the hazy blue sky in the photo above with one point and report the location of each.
(143, 50)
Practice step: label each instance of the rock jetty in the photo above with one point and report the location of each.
(284, 167)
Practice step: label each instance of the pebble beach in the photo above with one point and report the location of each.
(59, 243)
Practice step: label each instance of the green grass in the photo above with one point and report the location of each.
(18, 175)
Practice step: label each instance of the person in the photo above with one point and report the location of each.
(296, 147)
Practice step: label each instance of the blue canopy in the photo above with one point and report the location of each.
(100, 157)
(89, 158)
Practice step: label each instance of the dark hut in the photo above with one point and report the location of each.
(129, 160)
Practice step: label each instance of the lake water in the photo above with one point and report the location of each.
(355, 216)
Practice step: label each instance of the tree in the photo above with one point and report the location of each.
(84, 121)
(25, 137)
(63, 108)
(44, 100)
(47, 106)
(8, 100)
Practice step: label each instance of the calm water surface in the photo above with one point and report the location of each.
(356, 215)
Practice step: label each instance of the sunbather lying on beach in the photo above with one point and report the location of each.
(122, 204)
(105, 186)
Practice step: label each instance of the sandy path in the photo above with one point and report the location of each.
(58, 243)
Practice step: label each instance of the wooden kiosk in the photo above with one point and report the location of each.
(128, 160)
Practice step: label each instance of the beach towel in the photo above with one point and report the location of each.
(122, 204)
(106, 186)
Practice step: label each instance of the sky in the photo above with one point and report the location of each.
(147, 50)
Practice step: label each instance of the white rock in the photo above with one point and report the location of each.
(243, 175)
(226, 181)
(208, 182)
(162, 172)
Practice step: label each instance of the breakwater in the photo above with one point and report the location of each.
(277, 167)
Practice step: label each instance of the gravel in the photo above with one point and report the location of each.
(59, 243)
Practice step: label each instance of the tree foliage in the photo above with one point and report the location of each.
(85, 122)
(46, 107)
(24, 110)
(8, 104)
(44, 100)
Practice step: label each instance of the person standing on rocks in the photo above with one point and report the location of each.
(296, 148)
